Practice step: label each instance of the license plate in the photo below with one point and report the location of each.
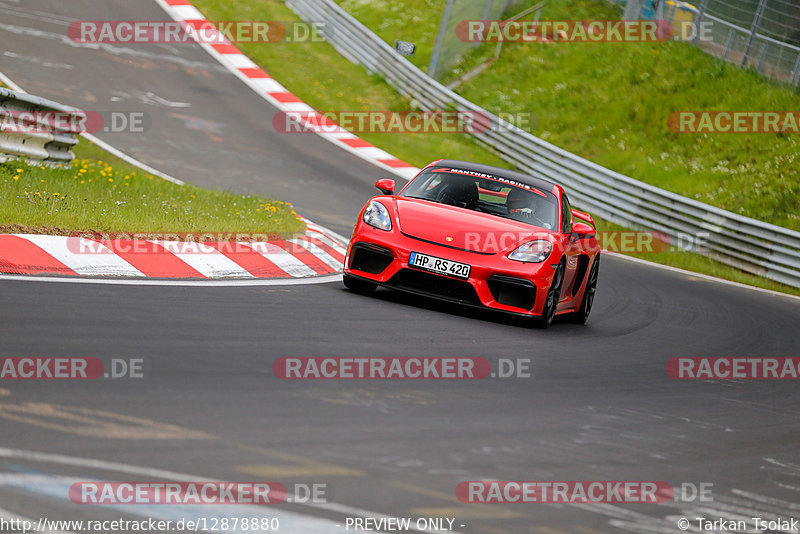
(439, 265)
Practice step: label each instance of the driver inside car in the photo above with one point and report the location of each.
(521, 206)
(520, 203)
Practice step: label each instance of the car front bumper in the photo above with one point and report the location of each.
(494, 282)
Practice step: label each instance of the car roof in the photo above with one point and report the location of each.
(540, 183)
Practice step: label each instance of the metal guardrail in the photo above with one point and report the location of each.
(753, 246)
(37, 129)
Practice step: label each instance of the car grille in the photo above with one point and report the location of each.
(511, 291)
(435, 285)
(370, 258)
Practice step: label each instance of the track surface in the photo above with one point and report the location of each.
(599, 405)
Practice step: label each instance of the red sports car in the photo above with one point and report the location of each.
(480, 236)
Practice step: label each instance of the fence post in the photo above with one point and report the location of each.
(487, 7)
(700, 15)
(728, 43)
(753, 30)
(796, 71)
(437, 49)
(633, 9)
(761, 57)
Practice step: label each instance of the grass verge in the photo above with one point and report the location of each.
(676, 257)
(104, 194)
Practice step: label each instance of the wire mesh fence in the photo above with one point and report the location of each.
(450, 50)
(760, 34)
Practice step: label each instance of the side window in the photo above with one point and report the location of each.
(566, 215)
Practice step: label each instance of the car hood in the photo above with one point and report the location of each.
(463, 229)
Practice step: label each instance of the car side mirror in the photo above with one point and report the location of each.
(581, 230)
(385, 186)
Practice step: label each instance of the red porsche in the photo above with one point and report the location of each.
(480, 236)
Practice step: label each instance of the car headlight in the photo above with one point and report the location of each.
(533, 251)
(377, 215)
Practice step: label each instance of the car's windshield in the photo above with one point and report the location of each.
(485, 193)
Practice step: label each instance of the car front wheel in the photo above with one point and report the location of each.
(553, 296)
(582, 315)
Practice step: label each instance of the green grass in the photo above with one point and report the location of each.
(682, 259)
(104, 194)
(609, 102)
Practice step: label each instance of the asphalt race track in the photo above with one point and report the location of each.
(597, 406)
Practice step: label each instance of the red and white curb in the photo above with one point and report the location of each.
(277, 95)
(318, 252)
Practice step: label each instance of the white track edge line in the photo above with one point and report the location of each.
(706, 277)
(322, 279)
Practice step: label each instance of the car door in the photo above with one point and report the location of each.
(572, 250)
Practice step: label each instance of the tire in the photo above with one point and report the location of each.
(551, 301)
(582, 315)
(358, 285)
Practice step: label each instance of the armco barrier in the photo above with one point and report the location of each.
(748, 244)
(35, 139)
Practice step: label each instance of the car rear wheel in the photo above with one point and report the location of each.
(553, 296)
(582, 315)
(358, 285)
